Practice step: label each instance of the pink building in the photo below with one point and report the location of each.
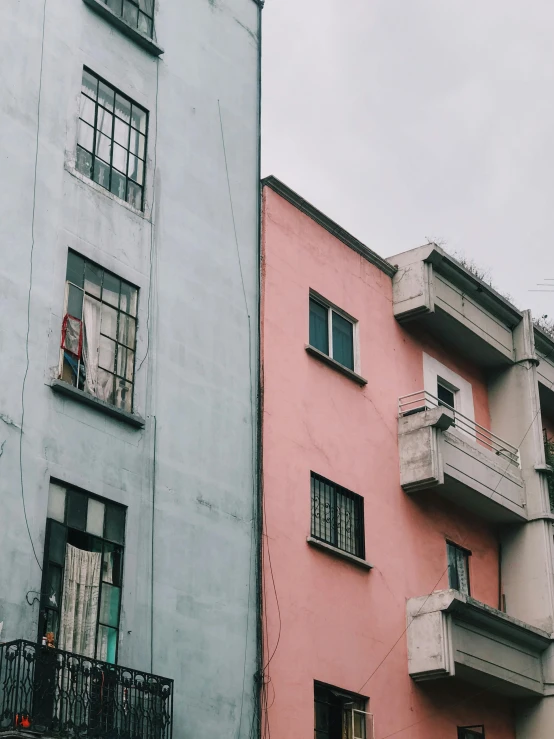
(408, 578)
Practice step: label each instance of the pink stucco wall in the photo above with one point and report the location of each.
(337, 623)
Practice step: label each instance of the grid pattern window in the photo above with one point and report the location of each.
(82, 573)
(331, 333)
(340, 715)
(111, 142)
(458, 568)
(99, 332)
(337, 516)
(471, 732)
(139, 14)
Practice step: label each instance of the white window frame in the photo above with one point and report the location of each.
(332, 308)
(434, 372)
(368, 732)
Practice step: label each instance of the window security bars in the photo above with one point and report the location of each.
(99, 332)
(139, 14)
(458, 568)
(111, 142)
(331, 333)
(337, 516)
(59, 694)
(423, 401)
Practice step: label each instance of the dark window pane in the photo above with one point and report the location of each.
(109, 605)
(102, 172)
(319, 335)
(123, 395)
(115, 523)
(128, 298)
(118, 184)
(75, 269)
(110, 292)
(343, 341)
(130, 13)
(111, 564)
(445, 396)
(106, 646)
(75, 302)
(105, 95)
(90, 84)
(93, 279)
(77, 504)
(56, 551)
(134, 195)
(84, 162)
(52, 623)
(53, 587)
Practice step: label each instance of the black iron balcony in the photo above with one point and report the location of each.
(60, 694)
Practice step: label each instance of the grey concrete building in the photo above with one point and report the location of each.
(129, 366)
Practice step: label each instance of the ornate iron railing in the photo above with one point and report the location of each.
(61, 694)
(422, 400)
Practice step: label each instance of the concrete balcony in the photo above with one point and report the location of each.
(442, 449)
(432, 289)
(451, 635)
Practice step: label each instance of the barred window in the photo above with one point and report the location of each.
(337, 516)
(139, 14)
(111, 142)
(99, 332)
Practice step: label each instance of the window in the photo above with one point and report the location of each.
(445, 394)
(340, 715)
(331, 333)
(99, 332)
(139, 14)
(337, 516)
(82, 573)
(111, 142)
(458, 568)
(471, 732)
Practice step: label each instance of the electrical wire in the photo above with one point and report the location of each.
(30, 291)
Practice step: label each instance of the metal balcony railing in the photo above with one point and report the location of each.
(60, 694)
(422, 400)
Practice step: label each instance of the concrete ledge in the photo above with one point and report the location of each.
(318, 544)
(64, 388)
(98, 7)
(335, 365)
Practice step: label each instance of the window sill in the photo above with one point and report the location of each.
(70, 168)
(64, 388)
(98, 7)
(335, 365)
(362, 563)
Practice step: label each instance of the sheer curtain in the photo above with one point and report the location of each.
(81, 589)
(91, 319)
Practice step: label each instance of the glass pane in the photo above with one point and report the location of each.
(128, 298)
(87, 109)
(75, 302)
(103, 147)
(104, 122)
(137, 143)
(105, 386)
(130, 13)
(452, 567)
(123, 395)
(445, 395)
(106, 358)
(343, 341)
(75, 268)
(126, 333)
(147, 6)
(56, 551)
(52, 621)
(138, 119)
(120, 158)
(134, 195)
(118, 184)
(110, 292)
(106, 647)
(84, 162)
(77, 504)
(319, 335)
(109, 605)
(89, 84)
(123, 108)
(121, 132)
(125, 362)
(136, 169)
(105, 95)
(145, 25)
(56, 502)
(101, 173)
(95, 517)
(86, 135)
(111, 564)
(93, 279)
(115, 523)
(109, 321)
(115, 5)
(53, 588)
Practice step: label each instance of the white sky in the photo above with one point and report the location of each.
(405, 120)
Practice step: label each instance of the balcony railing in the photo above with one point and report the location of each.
(60, 694)
(422, 400)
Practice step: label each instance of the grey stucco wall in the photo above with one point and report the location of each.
(197, 385)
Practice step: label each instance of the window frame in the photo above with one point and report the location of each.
(463, 732)
(449, 387)
(359, 522)
(343, 698)
(332, 308)
(136, 4)
(113, 142)
(467, 554)
(49, 563)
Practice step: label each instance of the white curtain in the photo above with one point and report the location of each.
(81, 589)
(91, 343)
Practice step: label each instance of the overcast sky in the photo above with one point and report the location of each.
(408, 120)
